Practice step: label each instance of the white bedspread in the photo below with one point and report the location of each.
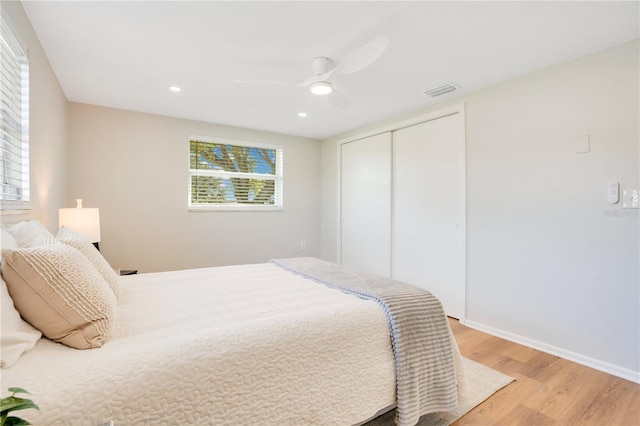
(236, 345)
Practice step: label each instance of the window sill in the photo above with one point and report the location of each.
(14, 207)
(235, 208)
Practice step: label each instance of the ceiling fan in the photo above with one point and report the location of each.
(324, 69)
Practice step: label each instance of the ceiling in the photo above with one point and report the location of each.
(127, 54)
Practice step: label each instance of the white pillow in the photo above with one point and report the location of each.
(29, 233)
(7, 240)
(16, 335)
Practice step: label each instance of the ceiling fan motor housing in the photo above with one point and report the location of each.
(321, 65)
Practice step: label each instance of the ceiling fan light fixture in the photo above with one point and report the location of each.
(321, 88)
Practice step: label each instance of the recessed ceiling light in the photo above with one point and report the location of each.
(302, 114)
(175, 89)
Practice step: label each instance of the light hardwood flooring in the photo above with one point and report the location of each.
(548, 390)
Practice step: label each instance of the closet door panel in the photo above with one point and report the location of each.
(366, 204)
(428, 244)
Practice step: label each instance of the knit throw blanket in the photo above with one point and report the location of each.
(425, 351)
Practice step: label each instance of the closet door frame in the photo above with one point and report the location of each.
(445, 112)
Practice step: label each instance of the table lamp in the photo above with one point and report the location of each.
(84, 221)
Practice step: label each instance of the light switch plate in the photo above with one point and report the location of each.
(631, 198)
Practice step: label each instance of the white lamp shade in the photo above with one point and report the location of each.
(85, 222)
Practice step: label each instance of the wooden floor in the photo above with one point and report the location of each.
(548, 390)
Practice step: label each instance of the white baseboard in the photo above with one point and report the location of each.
(606, 367)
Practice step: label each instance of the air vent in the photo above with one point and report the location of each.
(441, 90)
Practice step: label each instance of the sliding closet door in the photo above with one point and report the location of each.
(366, 204)
(428, 216)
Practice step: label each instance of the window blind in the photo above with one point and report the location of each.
(14, 120)
(233, 175)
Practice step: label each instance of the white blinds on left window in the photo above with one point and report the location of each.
(14, 121)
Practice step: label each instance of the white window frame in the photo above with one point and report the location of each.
(15, 105)
(278, 177)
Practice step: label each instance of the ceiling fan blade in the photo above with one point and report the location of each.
(314, 78)
(363, 56)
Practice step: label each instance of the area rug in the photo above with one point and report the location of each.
(483, 382)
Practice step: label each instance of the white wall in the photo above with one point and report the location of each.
(133, 166)
(549, 262)
(48, 126)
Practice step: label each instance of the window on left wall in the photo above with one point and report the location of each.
(14, 123)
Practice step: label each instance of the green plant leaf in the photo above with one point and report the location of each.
(12, 403)
(18, 390)
(15, 421)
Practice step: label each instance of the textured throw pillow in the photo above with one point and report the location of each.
(16, 335)
(78, 242)
(29, 233)
(58, 291)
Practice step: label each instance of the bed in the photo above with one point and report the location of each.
(235, 345)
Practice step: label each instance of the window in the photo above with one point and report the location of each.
(234, 175)
(14, 122)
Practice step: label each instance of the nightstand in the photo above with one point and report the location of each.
(128, 271)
